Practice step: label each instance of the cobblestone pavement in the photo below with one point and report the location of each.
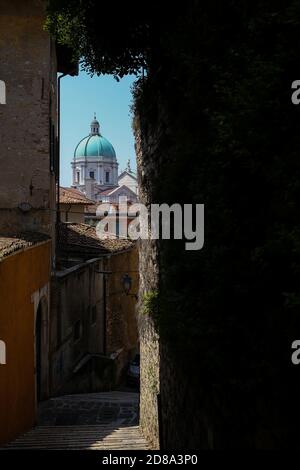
(118, 408)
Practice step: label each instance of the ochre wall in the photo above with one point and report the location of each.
(72, 213)
(21, 274)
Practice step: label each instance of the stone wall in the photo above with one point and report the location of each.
(185, 416)
(90, 350)
(224, 327)
(28, 68)
(149, 283)
(77, 329)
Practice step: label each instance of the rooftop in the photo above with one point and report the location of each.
(12, 243)
(106, 192)
(73, 196)
(129, 173)
(82, 239)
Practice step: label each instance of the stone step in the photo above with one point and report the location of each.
(95, 437)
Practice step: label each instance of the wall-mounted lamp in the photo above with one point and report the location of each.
(127, 284)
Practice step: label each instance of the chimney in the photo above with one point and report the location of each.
(90, 188)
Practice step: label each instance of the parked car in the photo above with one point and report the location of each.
(133, 372)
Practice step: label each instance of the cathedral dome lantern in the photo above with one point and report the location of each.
(95, 126)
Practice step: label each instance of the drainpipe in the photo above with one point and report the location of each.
(104, 273)
(160, 422)
(67, 213)
(104, 315)
(58, 147)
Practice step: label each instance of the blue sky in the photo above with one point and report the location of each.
(82, 96)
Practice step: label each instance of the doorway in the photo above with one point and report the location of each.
(41, 351)
(38, 352)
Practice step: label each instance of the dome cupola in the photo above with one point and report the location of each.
(95, 145)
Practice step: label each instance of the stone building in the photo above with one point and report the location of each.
(28, 68)
(95, 169)
(95, 174)
(128, 178)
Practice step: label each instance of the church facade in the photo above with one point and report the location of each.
(95, 169)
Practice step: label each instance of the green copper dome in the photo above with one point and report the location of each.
(95, 145)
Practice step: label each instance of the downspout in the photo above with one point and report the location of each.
(67, 213)
(58, 147)
(104, 316)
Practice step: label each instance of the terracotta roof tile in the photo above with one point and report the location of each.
(73, 196)
(82, 238)
(12, 243)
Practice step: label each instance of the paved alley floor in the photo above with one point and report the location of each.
(86, 421)
(120, 408)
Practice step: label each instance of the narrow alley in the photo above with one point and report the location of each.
(149, 230)
(93, 421)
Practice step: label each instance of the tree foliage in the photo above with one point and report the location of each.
(112, 38)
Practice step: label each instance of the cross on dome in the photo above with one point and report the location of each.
(128, 166)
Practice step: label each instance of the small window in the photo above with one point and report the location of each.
(107, 176)
(77, 331)
(94, 315)
(92, 174)
(78, 176)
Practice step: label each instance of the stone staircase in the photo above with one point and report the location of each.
(100, 421)
(84, 437)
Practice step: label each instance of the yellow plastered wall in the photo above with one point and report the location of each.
(21, 274)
